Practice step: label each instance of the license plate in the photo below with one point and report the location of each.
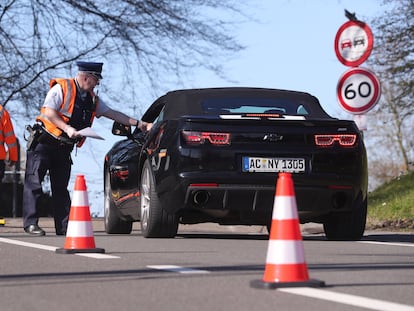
(272, 165)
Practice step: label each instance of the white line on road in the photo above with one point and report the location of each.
(27, 244)
(368, 303)
(53, 249)
(97, 255)
(387, 243)
(178, 269)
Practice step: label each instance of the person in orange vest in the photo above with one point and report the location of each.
(70, 105)
(7, 137)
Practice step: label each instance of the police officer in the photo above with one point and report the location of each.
(69, 106)
(7, 137)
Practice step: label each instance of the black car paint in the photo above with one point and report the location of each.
(335, 180)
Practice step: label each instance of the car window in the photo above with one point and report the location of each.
(160, 117)
(302, 110)
(253, 105)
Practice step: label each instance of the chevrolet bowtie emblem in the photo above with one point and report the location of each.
(272, 137)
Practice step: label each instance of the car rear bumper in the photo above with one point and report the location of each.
(253, 203)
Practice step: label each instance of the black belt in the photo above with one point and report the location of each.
(47, 139)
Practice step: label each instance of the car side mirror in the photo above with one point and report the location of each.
(121, 129)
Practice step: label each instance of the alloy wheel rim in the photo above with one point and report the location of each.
(145, 198)
(106, 204)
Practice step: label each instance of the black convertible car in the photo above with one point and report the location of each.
(213, 155)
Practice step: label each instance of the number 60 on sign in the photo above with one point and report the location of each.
(358, 90)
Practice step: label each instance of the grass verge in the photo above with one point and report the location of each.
(392, 204)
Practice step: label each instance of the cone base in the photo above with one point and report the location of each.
(81, 250)
(273, 285)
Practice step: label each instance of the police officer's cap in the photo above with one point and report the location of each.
(91, 68)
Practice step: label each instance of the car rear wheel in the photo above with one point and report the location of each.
(113, 224)
(155, 222)
(347, 226)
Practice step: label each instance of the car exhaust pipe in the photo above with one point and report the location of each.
(201, 197)
(339, 200)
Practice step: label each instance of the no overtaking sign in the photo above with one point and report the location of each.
(353, 43)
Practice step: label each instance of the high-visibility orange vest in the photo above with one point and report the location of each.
(66, 108)
(7, 136)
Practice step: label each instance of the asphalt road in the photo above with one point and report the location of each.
(206, 267)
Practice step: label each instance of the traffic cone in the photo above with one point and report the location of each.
(79, 235)
(285, 262)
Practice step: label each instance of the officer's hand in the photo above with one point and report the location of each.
(71, 132)
(144, 126)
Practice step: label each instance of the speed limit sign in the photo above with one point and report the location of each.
(358, 90)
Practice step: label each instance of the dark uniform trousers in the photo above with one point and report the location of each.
(57, 160)
(2, 168)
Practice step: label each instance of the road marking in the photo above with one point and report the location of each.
(27, 244)
(53, 249)
(97, 255)
(387, 243)
(368, 303)
(178, 269)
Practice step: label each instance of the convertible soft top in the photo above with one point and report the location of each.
(227, 100)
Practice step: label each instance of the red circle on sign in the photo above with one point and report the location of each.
(353, 43)
(351, 83)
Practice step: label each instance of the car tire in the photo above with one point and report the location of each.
(113, 223)
(347, 226)
(155, 221)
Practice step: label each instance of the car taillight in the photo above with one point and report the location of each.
(209, 185)
(263, 115)
(122, 174)
(199, 138)
(327, 140)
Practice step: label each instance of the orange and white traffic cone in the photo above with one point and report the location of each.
(285, 262)
(79, 235)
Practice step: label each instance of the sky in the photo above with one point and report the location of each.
(289, 45)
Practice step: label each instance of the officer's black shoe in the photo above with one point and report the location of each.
(34, 230)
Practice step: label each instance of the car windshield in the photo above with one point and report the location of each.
(254, 105)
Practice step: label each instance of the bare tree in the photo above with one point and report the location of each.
(393, 61)
(151, 40)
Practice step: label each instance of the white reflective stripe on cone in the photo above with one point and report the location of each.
(80, 198)
(285, 252)
(79, 229)
(285, 208)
